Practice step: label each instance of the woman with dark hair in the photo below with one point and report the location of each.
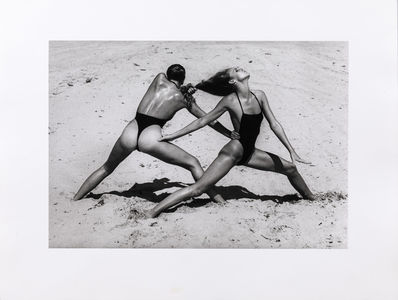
(246, 108)
(164, 97)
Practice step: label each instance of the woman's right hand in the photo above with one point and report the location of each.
(165, 138)
(295, 158)
(234, 135)
(188, 89)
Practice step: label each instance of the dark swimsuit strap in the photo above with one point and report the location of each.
(241, 103)
(257, 100)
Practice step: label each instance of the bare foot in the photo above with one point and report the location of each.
(76, 198)
(220, 203)
(311, 197)
(219, 199)
(148, 214)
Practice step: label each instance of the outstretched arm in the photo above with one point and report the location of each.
(198, 112)
(199, 123)
(277, 128)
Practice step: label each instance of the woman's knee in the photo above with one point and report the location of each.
(109, 166)
(197, 190)
(290, 169)
(192, 163)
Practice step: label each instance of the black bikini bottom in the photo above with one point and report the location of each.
(144, 121)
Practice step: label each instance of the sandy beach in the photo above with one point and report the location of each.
(94, 90)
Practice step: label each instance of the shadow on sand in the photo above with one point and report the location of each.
(148, 191)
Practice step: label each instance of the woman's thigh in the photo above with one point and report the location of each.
(165, 151)
(267, 161)
(125, 144)
(225, 161)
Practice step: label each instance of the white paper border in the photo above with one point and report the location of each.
(367, 270)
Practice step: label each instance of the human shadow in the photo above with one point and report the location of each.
(148, 191)
(234, 192)
(238, 192)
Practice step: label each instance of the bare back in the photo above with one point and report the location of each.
(162, 99)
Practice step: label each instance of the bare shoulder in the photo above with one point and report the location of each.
(227, 100)
(161, 76)
(160, 80)
(260, 94)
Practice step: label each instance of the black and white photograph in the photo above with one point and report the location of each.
(219, 150)
(198, 144)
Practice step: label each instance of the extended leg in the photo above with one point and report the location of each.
(125, 144)
(270, 162)
(173, 154)
(217, 170)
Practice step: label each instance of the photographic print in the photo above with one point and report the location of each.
(181, 144)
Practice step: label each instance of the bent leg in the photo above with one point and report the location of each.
(173, 154)
(217, 170)
(267, 161)
(125, 144)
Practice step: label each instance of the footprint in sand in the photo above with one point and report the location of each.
(134, 236)
(331, 195)
(136, 215)
(98, 204)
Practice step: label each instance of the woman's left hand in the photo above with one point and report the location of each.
(295, 158)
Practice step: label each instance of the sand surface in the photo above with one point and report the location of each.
(94, 90)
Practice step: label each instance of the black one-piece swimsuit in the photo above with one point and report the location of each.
(248, 131)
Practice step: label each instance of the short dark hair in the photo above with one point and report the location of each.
(218, 84)
(176, 72)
